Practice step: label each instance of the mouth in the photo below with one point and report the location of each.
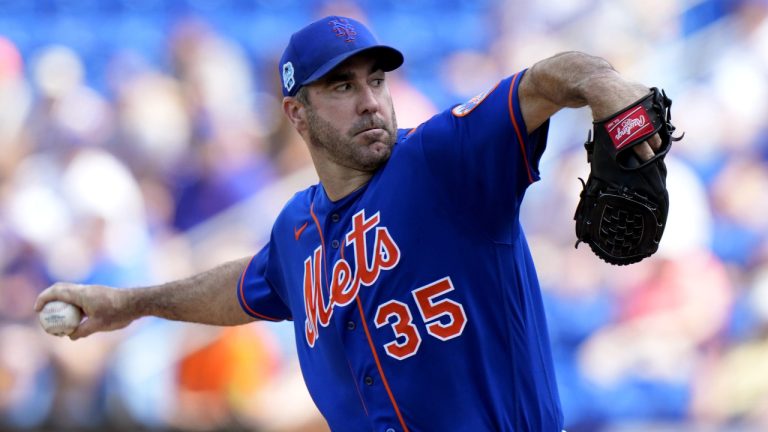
(369, 130)
(368, 125)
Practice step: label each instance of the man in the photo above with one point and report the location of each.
(405, 270)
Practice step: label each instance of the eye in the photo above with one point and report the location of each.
(343, 87)
(377, 82)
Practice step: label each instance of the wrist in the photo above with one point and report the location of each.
(607, 93)
(136, 302)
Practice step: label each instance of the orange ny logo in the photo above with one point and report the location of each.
(343, 28)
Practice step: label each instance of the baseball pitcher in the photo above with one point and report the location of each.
(405, 270)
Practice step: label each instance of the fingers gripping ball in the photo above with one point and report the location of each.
(59, 318)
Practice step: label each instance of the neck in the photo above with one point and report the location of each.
(340, 184)
(338, 181)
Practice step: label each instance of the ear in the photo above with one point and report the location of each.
(295, 111)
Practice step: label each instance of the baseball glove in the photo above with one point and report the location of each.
(624, 203)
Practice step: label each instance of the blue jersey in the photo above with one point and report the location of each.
(415, 301)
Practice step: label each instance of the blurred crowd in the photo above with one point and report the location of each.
(143, 141)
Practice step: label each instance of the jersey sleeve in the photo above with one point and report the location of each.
(257, 296)
(480, 150)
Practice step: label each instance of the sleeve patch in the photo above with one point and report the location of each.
(468, 106)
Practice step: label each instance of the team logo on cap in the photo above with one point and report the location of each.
(343, 28)
(288, 80)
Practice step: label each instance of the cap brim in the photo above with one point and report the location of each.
(389, 60)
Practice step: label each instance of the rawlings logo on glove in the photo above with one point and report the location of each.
(623, 129)
(624, 203)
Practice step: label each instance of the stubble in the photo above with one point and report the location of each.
(343, 148)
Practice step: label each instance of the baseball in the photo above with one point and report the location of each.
(59, 318)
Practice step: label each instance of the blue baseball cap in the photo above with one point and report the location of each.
(319, 47)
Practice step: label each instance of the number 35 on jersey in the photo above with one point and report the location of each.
(438, 315)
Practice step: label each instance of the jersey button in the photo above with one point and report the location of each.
(350, 325)
(335, 244)
(368, 381)
(335, 217)
(389, 430)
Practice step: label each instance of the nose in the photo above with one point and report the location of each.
(368, 102)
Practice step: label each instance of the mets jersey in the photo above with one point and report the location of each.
(414, 299)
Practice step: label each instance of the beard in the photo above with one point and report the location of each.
(369, 153)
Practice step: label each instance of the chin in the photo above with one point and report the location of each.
(376, 158)
(381, 147)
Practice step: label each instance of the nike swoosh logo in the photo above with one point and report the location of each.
(297, 232)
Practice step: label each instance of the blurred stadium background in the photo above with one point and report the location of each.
(141, 141)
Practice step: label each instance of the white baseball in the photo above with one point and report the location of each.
(59, 318)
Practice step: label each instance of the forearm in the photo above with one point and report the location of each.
(207, 298)
(567, 79)
(574, 80)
